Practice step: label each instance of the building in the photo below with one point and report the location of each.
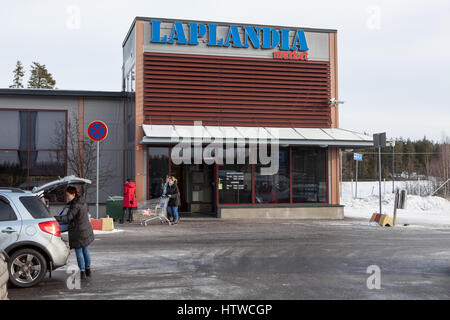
(39, 135)
(219, 105)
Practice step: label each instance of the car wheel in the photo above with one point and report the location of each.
(27, 267)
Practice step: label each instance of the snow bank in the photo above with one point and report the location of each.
(413, 203)
(419, 210)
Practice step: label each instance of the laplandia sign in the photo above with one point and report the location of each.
(236, 36)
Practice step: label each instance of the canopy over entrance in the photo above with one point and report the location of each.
(171, 134)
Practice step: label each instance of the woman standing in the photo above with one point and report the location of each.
(129, 200)
(80, 230)
(174, 199)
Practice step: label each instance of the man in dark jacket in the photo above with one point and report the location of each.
(80, 229)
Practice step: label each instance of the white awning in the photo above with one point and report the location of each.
(172, 134)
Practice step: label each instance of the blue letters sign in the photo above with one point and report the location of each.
(257, 37)
(357, 156)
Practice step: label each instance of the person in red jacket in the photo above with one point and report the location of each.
(129, 200)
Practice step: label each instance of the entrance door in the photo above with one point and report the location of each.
(197, 186)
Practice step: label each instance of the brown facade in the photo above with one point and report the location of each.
(139, 117)
(235, 91)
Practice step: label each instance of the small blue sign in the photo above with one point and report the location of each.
(357, 156)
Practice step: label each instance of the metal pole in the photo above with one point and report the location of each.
(356, 185)
(379, 174)
(340, 174)
(418, 182)
(97, 182)
(393, 168)
(351, 184)
(397, 196)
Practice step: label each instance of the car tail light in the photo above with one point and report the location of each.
(51, 227)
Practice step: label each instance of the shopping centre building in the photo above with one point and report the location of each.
(246, 117)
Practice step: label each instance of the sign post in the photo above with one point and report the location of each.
(97, 131)
(357, 157)
(379, 140)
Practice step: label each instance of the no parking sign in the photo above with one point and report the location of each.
(97, 131)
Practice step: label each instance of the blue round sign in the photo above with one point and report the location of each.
(97, 130)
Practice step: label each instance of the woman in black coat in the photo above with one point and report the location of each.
(173, 193)
(80, 229)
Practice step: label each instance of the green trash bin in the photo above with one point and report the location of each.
(114, 207)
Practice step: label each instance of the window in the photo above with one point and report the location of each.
(158, 166)
(235, 184)
(32, 147)
(273, 188)
(35, 207)
(6, 212)
(235, 180)
(309, 175)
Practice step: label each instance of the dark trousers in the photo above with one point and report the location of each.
(130, 214)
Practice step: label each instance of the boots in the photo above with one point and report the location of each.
(82, 274)
(130, 215)
(88, 272)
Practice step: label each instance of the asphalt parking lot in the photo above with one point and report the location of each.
(269, 259)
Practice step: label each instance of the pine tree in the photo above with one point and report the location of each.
(18, 75)
(40, 77)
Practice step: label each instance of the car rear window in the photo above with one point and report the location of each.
(35, 207)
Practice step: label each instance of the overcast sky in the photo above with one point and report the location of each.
(394, 56)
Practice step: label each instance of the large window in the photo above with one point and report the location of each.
(301, 177)
(274, 188)
(32, 147)
(158, 160)
(309, 175)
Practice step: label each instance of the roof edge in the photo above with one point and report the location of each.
(61, 93)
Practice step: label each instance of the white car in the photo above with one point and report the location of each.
(30, 235)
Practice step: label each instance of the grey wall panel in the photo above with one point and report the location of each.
(69, 104)
(111, 182)
(111, 149)
(317, 43)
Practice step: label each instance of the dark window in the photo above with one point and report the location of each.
(235, 184)
(158, 166)
(309, 175)
(50, 130)
(32, 147)
(6, 212)
(35, 207)
(273, 188)
(12, 172)
(235, 179)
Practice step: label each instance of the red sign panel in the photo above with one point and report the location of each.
(97, 130)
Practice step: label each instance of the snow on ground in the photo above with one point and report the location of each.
(419, 211)
(107, 232)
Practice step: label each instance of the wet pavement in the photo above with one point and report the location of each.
(269, 259)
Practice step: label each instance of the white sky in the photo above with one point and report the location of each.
(394, 56)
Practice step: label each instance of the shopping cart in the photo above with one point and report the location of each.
(154, 209)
